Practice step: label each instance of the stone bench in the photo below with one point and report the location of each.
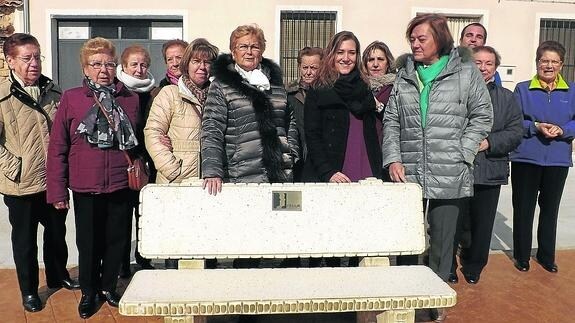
(369, 219)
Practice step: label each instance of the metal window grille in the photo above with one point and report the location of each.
(563, 31)
(300, 29)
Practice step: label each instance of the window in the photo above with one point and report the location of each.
(299, 29)
(563, 31)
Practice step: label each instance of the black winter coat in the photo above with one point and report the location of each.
(492, 165)
(326, 129)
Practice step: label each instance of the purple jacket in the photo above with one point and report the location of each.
(73, 162)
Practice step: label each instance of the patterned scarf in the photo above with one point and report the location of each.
(199, 93)
(102, 125)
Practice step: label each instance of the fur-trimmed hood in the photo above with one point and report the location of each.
(464, 52)
(223, 70)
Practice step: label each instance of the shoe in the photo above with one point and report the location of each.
(471, 278)
(521, 265)
(112, 298)
(70, 284)
(549, 266)
(87, 306)
(67, 283)
(438, 314)
(453, 278)
(32, 303)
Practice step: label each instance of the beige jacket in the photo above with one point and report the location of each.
(177, 115)
(24, 136)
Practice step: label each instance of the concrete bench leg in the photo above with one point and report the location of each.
(395, 316)
(185, 319)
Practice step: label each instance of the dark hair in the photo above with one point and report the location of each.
(490, 50)
(474, 24)
(134, 49)
(198, 48)
(552, 46)
(383, 47)
(170, 43)
(18, 39)
(328, 74)
(309, 51)
(439, 30)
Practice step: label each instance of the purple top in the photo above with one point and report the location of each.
(356, 163)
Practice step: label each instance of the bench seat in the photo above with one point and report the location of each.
(287, 290)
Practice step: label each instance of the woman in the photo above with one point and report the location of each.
(491, 166)
(539, 166)
(133, 71)
(172, 51)
(26, 114)
(308, 62)
(176, 112)
(340, 119)
(438, 114)
(94, 128)
(244, 136)
(378, 63)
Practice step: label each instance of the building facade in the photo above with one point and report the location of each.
(515, 27)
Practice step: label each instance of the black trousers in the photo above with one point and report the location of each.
(533, 184)
(101, 221)
(482, 208)
(442, 217)
(25, 213)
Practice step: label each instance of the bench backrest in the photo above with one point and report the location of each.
(370, 218)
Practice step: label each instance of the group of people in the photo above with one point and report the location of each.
(437, 117)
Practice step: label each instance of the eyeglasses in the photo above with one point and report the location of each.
(546, 62)
(246, 47)
(29, 59)
(98, 65)
(198, 62)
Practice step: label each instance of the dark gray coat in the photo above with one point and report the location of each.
(492, 165)
(244, 133)
(459, 117)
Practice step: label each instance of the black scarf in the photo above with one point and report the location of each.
(354, 92)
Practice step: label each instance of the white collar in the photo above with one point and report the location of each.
(255, 77)
(133, 83)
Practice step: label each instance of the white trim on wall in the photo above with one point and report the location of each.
(95, 13)
(484, 14)
(279, 9)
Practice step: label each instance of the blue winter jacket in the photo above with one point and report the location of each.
(556, 107)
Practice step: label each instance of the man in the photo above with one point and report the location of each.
(28, 103)
(474, 35)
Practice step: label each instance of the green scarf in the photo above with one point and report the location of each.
(426, 76)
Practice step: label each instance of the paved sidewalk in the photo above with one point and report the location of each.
(503, 295)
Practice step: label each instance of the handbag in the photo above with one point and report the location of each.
(138, 168)
(138, 172)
